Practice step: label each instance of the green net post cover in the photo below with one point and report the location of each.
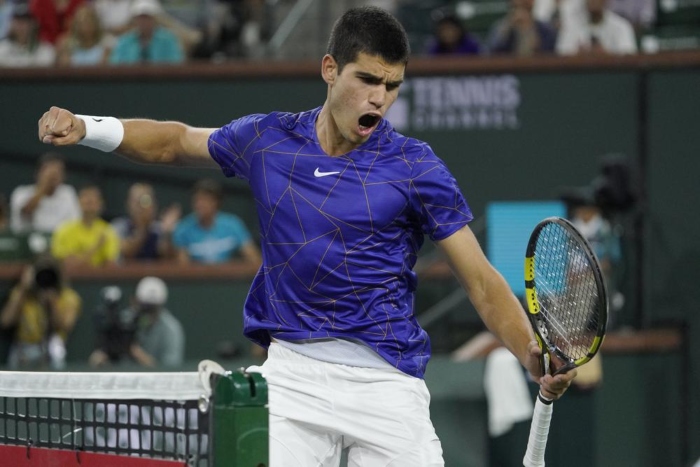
(240, 420)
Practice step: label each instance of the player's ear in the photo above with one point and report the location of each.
(329, 69)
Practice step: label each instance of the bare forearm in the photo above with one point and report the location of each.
(31, 205)
(499, 309)
(141, 140)
(504, 316)
(130, 246)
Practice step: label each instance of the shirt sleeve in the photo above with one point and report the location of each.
(232, 146)
(436, 198)
(18, 199)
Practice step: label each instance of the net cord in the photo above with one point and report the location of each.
(182, 386)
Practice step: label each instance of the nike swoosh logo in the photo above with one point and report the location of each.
(318, 173)
(98, 120)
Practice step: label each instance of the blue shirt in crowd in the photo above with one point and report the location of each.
(164, 47)
(216, 244)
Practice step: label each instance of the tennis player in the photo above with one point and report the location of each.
(343, 204)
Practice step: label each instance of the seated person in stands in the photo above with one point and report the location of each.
(147, 42)
(451, 38)
(210, 236)
(597, 31)
(144, 237)
(22, 47)
(42, 310)
(90, 240)
(85, 43)
(146, 332)
(519, 33)
(48, 202)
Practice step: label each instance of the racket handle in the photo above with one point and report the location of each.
(539, 431)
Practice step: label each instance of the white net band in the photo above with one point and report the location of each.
(182, 386)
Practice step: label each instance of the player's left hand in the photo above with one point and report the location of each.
(552, 387)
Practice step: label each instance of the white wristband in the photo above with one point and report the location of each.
(103, 133)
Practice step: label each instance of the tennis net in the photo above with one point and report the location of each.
(134, 419)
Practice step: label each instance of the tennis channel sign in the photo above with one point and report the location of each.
(457, 103)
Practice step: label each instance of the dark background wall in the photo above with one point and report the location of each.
(566, 117)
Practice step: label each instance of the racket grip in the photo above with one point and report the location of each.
(539, 431)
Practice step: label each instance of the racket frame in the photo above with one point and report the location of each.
(533, 306)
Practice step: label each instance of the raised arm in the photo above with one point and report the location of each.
(140, 140)
(498, 307)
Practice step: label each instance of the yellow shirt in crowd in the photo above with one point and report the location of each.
(75, 238)
(33, 322)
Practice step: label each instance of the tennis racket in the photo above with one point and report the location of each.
(567, 307)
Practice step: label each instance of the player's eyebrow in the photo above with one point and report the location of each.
(376, 79)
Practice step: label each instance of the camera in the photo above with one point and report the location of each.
(47, 274)
(115, 324)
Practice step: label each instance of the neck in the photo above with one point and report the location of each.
(329, 137)
(207, 222)
(596, 17)
(88, 220)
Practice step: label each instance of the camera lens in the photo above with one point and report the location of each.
(46, 278)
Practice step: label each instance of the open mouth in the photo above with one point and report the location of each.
(367, 123)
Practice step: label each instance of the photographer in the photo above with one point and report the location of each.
(146, 332)
(115, 328)
(43, 311)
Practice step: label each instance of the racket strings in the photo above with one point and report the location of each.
(567, 292)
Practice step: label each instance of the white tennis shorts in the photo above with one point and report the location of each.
(317, 409)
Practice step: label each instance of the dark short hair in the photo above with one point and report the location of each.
(369, 30)
(89, 186)
(49, 157)
(209, 187)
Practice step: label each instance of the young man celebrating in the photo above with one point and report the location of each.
(339, 185)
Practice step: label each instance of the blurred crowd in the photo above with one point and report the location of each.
(532, 27)
(42, 308)
(65, 33)
(42, 33)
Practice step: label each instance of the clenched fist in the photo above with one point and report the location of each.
(60, 127)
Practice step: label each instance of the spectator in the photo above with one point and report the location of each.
(48, 202)
(54, 17)
(115, 15)
(147, 42)
(89, 240)
(6, 7)
(142, 235)
(22, 47)
(115, 328)
(519, 33)
(597, 31)
(42, 309)
(452, 39)
(85, 43)
(235, 29)
(159, 340)
(641, 13)
(211, 236)
(589, 219)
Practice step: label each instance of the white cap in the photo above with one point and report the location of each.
(145, 7)
(152, 291)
